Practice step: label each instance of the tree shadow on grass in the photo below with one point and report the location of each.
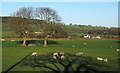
(117, 42)
(8, 70)
(38, 42)
(71, 63)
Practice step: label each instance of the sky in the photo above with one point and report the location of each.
(83, 13)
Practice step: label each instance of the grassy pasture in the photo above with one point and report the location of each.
(12, 52)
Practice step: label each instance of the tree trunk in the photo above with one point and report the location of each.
(45, 42)
(24, 41)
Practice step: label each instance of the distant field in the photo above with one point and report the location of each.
(13, 52)
(81, 28)
(80, 31)
(71, 29)
(7, 32)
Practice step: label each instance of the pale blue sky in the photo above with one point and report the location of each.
(94, 13)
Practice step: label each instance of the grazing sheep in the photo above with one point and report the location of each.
(118, 50)
(12, 40)
(30, 45)
(54, 57)
(55, 54)
(105, 60)
(79, 54)
(62, 57)
(99, 58)
(34, 54)
(73, 46)
(2, 39)
(84, 43)
(62, 53)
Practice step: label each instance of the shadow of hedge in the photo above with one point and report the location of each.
(72, 63)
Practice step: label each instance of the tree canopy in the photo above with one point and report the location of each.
(50, 20)
(47, 20)
(20, 22)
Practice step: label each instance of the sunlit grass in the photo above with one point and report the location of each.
(12, 52)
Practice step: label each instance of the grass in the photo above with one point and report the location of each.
(12, 52)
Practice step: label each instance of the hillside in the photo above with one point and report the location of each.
(84, 30)
(78, 30)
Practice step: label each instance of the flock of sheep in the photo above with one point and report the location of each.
(4, 40)
(62, 56)
(55, 55)
(118, 50)
(101, 59)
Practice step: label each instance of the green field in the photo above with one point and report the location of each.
(71, 30)
(12, 52)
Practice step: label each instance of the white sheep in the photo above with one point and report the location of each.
(62, 57)
(2, 39)
(118, 50)
(85, 43)
(55, 54)
(62, 53)
(54, 57)
(79, 54)
(106, 60)
(99, 58)
(73, 46)
(12, 40)
(34, 54)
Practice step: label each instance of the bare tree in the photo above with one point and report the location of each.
(49, 19)
(20, 22)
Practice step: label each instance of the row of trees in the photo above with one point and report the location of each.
(104, 32)
(46, 19)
